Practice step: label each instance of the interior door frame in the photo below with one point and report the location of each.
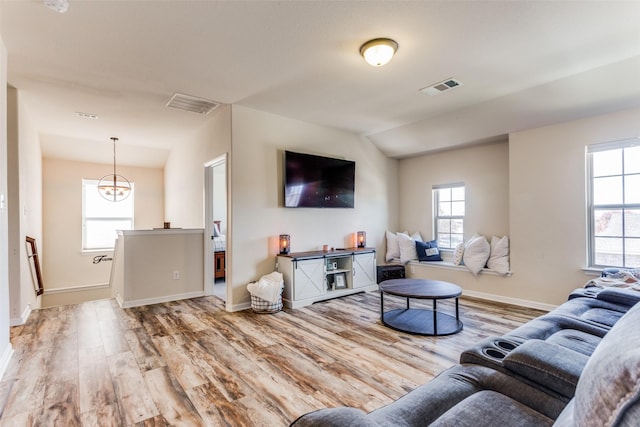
(208, 223)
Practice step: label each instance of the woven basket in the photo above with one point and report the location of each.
(258, 305)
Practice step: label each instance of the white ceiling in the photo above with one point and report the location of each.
(523, 64)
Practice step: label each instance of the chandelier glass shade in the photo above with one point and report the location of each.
(114, 187)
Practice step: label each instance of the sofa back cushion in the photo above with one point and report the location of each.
(608, 392)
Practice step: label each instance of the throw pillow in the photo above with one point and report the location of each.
(476, 253)
(458, 253)
(428, 251)
(499, 258)
(393, 250)
(408, 247)
(607, 391)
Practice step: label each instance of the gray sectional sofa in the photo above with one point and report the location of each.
(578, 365)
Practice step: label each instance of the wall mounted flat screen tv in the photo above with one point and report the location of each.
(312, 181)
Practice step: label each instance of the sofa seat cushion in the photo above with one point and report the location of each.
(602, 316)
(584, 314)
(578, 341)
(546, 326)
(489, 408)
(335, 417)
(591, 310)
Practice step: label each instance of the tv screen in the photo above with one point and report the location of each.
(318, 182)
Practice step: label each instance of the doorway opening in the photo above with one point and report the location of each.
(216, 227)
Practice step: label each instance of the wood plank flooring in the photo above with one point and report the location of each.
(190, 363)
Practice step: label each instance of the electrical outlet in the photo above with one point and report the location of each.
(411, 270)
(176, 275)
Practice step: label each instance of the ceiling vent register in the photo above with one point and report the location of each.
(193, 104)
(443, 86)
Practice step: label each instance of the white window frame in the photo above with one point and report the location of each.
(436, 216)
(592, 207)
(91, 185)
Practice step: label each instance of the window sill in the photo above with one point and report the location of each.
(592, 271)
(95, 251)
(450, 266)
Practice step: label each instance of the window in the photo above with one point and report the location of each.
(101, 218)
(614, 204)
(448, 214)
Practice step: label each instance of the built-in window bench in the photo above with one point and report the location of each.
(488, 284)
(450, 266)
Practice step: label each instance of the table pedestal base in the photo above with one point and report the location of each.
(420, 322)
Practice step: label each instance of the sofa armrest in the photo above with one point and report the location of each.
(619, 296)
(550, 365)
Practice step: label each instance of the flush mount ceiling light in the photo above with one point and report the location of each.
(59, 6)
(114, 187)
(378, 52)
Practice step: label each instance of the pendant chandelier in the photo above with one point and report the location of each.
(114, 187)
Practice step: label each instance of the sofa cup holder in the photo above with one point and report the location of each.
(498, 349)
(505, 345)
(494, 353)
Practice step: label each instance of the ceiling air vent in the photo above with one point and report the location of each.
(180, 101)
(443, 86)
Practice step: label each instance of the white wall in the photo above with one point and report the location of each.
(64, 263)
(548, 204)
(258, 217)
(157, 266)
(5, 345)
(184, 170)
(533, 190)
(25, 213)
(485, 172)
(254, 142)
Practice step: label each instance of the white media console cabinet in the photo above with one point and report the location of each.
(315, 276)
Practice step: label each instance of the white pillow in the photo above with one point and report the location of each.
(408, 246)
(458, 253)
(393, 250)
(476, 253)
(499, 258)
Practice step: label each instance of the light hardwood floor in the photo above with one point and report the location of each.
(191, 363)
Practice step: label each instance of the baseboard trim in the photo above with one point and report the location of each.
(75, 288)
(508, 300)
(119, 299)
(5, 359)
(23, 318)
(238, 307)
(158, 300)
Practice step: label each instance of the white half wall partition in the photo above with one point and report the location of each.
(154, 266)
